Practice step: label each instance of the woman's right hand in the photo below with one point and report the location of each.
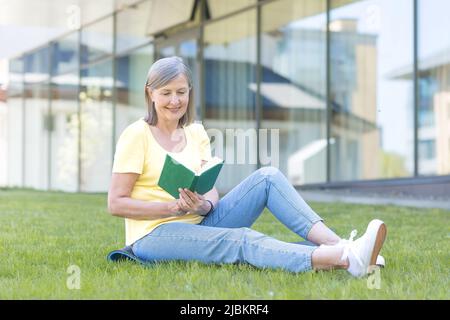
(175, 208)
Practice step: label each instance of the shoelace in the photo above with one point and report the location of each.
(348, 246)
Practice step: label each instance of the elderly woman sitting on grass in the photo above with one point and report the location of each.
(204, 227)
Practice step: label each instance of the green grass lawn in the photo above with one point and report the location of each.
(43, 233)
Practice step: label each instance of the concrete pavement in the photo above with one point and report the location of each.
(347, 196)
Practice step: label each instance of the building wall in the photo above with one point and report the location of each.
(3, 143)
(62, 118)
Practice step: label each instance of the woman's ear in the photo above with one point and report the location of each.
(149, 92)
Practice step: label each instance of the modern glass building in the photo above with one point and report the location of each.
(329, 91)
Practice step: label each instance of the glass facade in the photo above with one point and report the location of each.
(130, 99)
(326, 90)
(15, 130)
(218, 8)
(185, 45)
(64, 104)
(433, 88)
(36, 118)
(367, 44)
(64, 132)
(230, 67)
(97, 41)
(65, 54)
(96, 126)
(132, 35)
(293, 86)
(36, 128)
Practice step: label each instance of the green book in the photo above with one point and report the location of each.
(174, 175)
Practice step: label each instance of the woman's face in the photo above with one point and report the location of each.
(171, 101)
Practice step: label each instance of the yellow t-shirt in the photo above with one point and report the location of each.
(137, 151)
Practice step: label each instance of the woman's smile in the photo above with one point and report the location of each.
(174, 109)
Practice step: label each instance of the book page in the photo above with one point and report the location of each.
(181, 163)
(211, 163)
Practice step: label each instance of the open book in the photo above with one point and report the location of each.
(175, 175)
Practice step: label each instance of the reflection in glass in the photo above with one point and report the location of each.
(165, 14)
(217, 8)
(65, 54)
(3, 140)
(37, 65)
(64, 114)
(15, 77)
(434, 88)
(37, 126)
(188, 51)
(371, 89)
(15, 140)
(371, 101)
(132, 26)
(166, 52)
(229, 64)
(186, 48)
(97, 40)
(131, 76)
(293, 88)
(64, 132)
(14, 152)
(96, 127)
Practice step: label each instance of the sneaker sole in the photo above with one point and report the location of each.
(381, 236)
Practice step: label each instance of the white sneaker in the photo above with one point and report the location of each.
(363, 252)
(381, 262)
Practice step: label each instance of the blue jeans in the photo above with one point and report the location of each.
(224, 235)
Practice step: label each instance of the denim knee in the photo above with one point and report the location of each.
(239, 234)
(268, 171)
(271, 174)
(249, 235)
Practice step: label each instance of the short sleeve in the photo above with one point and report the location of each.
(130, 151)
(204, 144)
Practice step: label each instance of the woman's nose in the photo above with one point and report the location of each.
(174, 99)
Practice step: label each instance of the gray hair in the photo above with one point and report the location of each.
(160, 74)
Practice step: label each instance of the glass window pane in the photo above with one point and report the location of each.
(188, 52)
(219, 8)
(64, 132)
(184, 45)
(131, 76)
(15, 80)
(132, 26)
(97, 40)
(229, 71)
(36, 65)
(163, 14)
(14, 102)
(36, 135)
(371, 92)
(434, 87)
(96, 127)
(65, 54)
(15, 144)
(3, 138)
(293, 88)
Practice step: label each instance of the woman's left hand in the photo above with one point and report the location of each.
(193, 202)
